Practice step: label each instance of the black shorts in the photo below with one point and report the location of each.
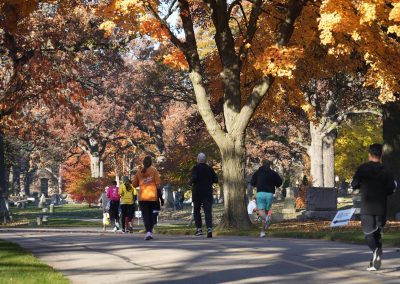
(128, 210)
(371, 223)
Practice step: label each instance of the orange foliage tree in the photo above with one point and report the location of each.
(80, 184)
(232, 50)
(371, 29)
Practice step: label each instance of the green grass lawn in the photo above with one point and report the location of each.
(67, 215)
(66, 210)
(20, 266)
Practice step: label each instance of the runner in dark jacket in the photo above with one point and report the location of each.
(265, 180)
(202, 179)
(375, 183)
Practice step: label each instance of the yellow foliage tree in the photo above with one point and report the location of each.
(353, 141)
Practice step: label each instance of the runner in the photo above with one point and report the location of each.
(113, 195)
(265, 180)
(375, 183)
(148, 180)
(128, 195)
(105, 205)
(203, 176)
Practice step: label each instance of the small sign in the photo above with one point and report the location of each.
(138, 214)
(342, 217)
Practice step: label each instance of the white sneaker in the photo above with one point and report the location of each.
(115, 229)
(148, 236)
(262, 234)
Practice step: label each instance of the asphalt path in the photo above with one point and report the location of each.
(97, 257)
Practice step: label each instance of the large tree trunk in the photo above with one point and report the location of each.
(329, 160)
(391, 153)
(233, 172)
(95, 165)
(316, 156)
(60, 180)
(4, 212)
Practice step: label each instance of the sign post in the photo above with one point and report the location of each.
(342, 217)
(138, 215)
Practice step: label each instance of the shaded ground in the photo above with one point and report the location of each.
(114, 258)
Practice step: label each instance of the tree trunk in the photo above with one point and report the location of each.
(60, 180)
(233, 172)
(11, 179)
(316, 156)
(4, 212)
(95, 165)
(329, 160)
(391, 151)
(115, 163)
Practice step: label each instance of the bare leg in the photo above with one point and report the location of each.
(263, 216)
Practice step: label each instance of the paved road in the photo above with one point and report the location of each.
(94, 257)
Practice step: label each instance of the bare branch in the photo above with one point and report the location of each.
(165, 25)
(171, 10)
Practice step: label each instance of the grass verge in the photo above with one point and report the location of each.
(20, 266)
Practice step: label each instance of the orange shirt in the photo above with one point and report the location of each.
(148, 183)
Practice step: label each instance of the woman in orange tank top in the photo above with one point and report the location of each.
(148, 180)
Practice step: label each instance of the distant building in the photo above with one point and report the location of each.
(44, 181)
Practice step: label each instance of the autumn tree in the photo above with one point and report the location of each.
(41, 45)
(353, 138)
(232, 50)
(371, 29)
(333, 102)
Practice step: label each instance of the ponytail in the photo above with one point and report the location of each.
(146, 164)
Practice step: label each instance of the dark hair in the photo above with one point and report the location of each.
(146, 163)
(114, 182)
(376, 150)
(267, 163)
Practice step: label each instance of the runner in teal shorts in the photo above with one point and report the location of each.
(265, 180)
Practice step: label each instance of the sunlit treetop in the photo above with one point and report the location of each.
(370, 28)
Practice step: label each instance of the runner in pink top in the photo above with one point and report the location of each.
(112, 194)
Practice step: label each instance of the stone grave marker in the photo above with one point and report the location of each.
(321, 203)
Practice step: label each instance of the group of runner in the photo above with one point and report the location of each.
(372, 178)
(121, 200)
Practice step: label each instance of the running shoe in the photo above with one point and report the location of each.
(209, 233)
(262, 234)
(148, 236)
(198, 233)
(377, 258)
(371, 267)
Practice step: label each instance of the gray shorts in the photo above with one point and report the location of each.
(372, 223)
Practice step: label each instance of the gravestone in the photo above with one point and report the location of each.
(343, 188)
(321, 203)
(42, 201)
(289, 205)
(168, 196)
(357, 205)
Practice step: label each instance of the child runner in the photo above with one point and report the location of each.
(148, 180)
(128, 195)
(113, 195)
